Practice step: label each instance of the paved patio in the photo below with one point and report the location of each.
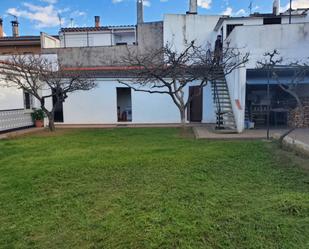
(297, 140)
(209, 132)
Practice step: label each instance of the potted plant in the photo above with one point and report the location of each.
(38, 118)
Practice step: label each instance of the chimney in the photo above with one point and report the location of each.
(276, 7)
(1, 27)
(15, 30)
(97, 21)
(193, 7)
(140, 11)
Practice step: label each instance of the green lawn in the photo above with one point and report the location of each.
(149, 188)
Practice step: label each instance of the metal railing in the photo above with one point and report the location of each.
(15, 119)
(217, 103)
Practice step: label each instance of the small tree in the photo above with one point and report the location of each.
(274, 62)
(167, 71)
(43, 79)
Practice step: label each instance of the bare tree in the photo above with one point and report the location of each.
(167, 71)
(43, 78)
(273, 63)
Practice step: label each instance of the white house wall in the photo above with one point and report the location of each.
(180, 30)
(291, 40)
(82, 39)
(11, 98)
(99, 106)
(258, 21)
(85, 39)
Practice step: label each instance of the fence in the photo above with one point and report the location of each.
(14, 119)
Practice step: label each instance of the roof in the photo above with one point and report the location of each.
(20, 38)
(295, 13)
(260, 76)
(101, 28)
(20, 41)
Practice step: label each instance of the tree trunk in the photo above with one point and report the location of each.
(182, 111)
(51, 122)
(283, 136)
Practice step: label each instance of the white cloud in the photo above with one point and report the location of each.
(241, 12)
(300, 4)
(147, 3)
(296, 4)
(206, 4)
(229, 12)
(43, 16)
(50, 1)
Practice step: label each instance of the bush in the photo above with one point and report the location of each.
(38, 115)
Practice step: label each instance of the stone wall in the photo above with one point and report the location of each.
(294, 115)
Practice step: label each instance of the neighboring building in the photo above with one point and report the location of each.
(15, 104)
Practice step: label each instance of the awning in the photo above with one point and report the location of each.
(260, 77)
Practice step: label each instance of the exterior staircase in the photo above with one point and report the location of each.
(225, 120)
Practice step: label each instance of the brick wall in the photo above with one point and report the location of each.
(294, 115)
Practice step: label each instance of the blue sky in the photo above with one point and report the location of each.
(42, 15)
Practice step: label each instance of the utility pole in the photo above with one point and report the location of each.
(268, 102)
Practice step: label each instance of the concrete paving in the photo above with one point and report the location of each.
(209, 132)
(297, 140)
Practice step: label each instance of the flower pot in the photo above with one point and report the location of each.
(39, 123)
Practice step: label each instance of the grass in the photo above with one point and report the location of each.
(149, 188)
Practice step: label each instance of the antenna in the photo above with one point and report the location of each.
(15, 17)
(60, 20)
(72, 22)
(250, 7)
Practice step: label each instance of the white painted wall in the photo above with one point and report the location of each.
(256, 21)
(209, 115)
(96, 38)
(180, 30)
(99, 106)
(291, 40)
(11, 98)
(236, 82)
(48, 41)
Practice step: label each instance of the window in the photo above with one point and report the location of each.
(28, 101)
(272, 20)
(230, 28)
